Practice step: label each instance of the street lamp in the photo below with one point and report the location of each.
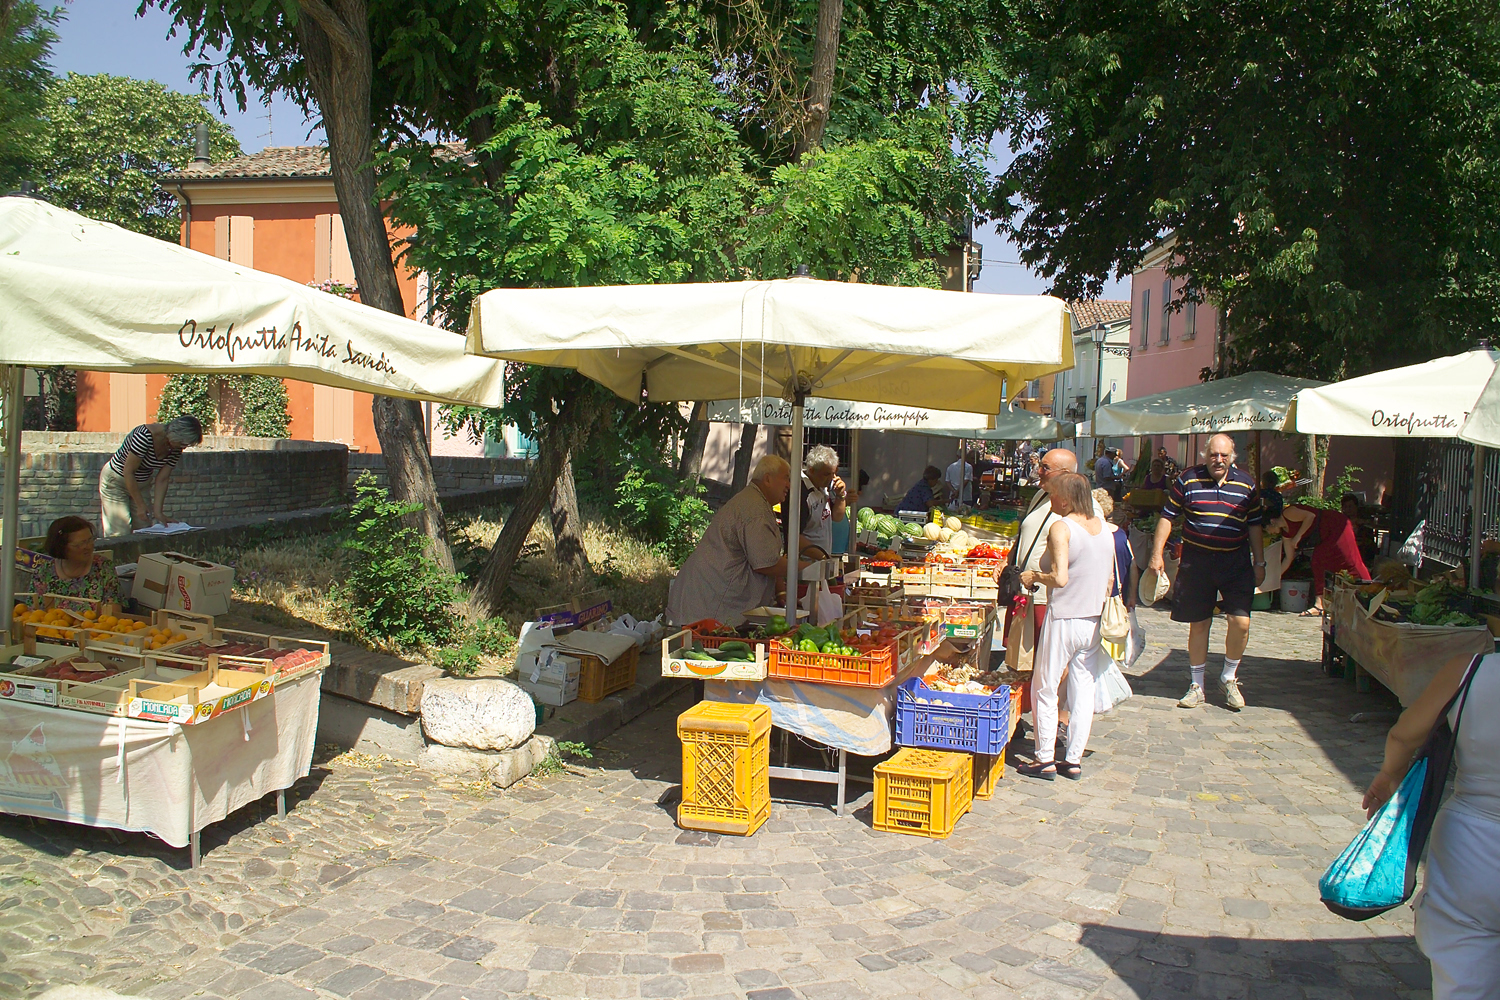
(1100, 336)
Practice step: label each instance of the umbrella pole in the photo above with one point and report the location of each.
(851, 511)
(1476, 530)
(10, 495)
(794, 511)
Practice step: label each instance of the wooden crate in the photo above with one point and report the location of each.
(674, 664)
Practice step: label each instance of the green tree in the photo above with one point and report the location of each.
(26, 38)
(260, 404)
(1330, 170)
(318, 53)
(106, 139)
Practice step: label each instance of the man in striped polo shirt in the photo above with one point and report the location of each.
(1223, 561)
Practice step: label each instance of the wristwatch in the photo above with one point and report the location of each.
(1261, 563)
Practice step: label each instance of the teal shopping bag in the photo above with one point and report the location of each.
(1374, 874)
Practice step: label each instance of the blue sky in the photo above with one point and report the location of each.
(105, 36)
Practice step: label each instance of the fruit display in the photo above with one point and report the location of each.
(1439, 603)
(202, 650)
(79, 669)
(984, 550)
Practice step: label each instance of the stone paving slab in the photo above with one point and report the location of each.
(1183, 865)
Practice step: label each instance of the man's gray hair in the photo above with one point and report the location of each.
(1234, 451)
(820, 456)
(185, 431)
(768, 465)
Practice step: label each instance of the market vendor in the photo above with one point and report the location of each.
(1337, 547)
(923, 495)
(739, 560)
(146, 458)
(826, 499)
(74, 569)
(1156, 477)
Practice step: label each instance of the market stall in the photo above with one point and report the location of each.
(169, 746)
(1403, 634)
(797, 338)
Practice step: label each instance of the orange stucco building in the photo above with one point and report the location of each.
(275, 211)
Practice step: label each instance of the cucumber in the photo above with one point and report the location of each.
(735, 647)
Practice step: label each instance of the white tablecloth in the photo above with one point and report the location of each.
(61, 764)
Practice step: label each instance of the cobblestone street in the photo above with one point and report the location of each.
(1183, 865)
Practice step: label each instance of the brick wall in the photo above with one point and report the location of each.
(451, 472)
(224, 477)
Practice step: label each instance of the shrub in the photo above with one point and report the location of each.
(668, 513)
(263, 402)
(393, 589)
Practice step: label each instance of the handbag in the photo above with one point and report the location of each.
(1114, 619)
(1008, 583)
(1378, 870)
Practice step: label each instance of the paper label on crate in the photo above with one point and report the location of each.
(35, 694)
(27, 661)
(162, 711)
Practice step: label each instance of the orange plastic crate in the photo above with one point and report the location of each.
(988, 770)
(923, 792)
(876, 669)
(726, 767)
(598, 680)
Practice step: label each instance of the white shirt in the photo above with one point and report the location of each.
(817, 526)
(956, 475)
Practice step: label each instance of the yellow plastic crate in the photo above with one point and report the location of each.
(988, 770)
(923, 792)
(726, 767)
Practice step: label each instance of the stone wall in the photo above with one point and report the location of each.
(450, 472)
(224, 477)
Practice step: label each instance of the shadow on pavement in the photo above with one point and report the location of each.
(1177, 967)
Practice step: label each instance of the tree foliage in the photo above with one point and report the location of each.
(256, 405)
(26, 39)
(106, 139)
(1330, 170)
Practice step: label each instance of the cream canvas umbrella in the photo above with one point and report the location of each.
(792, 338)
(1254, 401)
(93, 296)
(1431, 399)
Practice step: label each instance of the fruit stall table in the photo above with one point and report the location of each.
(163, 778)
(1400, 655)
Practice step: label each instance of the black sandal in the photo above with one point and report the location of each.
(1038, 770)
(1070, 771)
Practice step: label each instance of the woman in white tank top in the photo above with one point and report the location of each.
(1078, 572)
(1458, 908)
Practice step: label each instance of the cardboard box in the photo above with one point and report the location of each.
(153, 574)
(550, 677)
(200, 587)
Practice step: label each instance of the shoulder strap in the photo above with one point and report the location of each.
(1462, 692)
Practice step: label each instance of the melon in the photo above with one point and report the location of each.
(932, 531)
(954, 524)
(944, 534)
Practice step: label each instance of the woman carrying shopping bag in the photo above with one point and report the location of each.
(1458, 909)
(1078, 571)
(1110, 685)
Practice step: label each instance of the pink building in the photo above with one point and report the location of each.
(1169, 348)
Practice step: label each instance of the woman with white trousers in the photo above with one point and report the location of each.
(1078, 572)
(1458, 909)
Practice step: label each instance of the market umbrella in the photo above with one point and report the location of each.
(93, 296)
(1010, 425)
(796, 337)
(1431, 399)
(1254, 401)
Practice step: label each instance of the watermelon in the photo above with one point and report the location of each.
(884, 541)
(866, 515)
(912, 530)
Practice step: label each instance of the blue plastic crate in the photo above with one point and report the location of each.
(971, 723)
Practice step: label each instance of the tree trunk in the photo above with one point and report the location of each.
(743, 456)
(334, 39)
(552, 451)
(691, 462)
(820, 82)
(567, 527)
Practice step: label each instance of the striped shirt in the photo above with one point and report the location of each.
(1219, 517)
(139, 442)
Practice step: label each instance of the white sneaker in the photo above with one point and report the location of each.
(1192, 699)
(1232, 696)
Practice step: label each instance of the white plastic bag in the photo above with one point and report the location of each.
(821, 604)
(1135, 642)
(1110, 685)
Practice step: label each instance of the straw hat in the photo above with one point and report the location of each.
(1153, 587)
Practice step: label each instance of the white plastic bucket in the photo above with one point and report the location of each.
(1295, 595)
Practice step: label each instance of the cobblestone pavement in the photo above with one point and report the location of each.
(1183, 865)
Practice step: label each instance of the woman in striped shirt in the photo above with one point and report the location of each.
(147, 456)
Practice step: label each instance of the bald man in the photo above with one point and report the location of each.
(1223, 561)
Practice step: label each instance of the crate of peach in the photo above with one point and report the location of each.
(252, 652)
(829, 656)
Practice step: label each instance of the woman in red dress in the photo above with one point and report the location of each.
(1337, 548)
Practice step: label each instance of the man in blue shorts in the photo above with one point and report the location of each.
(1223, 561)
